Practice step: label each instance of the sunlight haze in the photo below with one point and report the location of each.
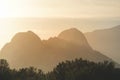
(86, 15)
(59, 8)
(59, 39)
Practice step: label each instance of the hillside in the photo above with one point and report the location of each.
(27, 49)
(106, 41)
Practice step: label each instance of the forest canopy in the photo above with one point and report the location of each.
(77, 69)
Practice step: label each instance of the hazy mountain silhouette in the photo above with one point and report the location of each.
(27, 49)
(74, 36)
(106, 41)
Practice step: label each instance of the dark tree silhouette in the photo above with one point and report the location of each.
(84, 70)
(4, 70)
(77, 69)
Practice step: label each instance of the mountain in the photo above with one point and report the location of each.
(106, 41)
(74, 36)
(27, 49)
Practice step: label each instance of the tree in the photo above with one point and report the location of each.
(77, 69)
(84, 70)
(4, 70)
(4, 63)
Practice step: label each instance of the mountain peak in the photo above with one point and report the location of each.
(75, 36)
(73, 29)
(26, 37)
(30, 32)
(26, 49)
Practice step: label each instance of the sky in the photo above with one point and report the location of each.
(90, 15)
(59, 8)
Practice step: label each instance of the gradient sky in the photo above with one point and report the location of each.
(93, 14)
(59, 8)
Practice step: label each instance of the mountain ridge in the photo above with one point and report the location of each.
(30, 50)
(110, 38)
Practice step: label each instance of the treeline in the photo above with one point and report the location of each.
(69, 70)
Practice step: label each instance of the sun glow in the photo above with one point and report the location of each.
(84, 9)
(12, 8)
(19, 8)
(4, 8)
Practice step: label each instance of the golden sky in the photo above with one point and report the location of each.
(59, 8)
(97, 9)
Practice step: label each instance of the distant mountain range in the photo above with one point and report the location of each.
(27, 49)
(106, 41)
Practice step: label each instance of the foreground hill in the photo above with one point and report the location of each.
(27, 49)
(106, 41)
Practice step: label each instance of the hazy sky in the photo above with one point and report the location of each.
(93, 14)
(59, 8)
